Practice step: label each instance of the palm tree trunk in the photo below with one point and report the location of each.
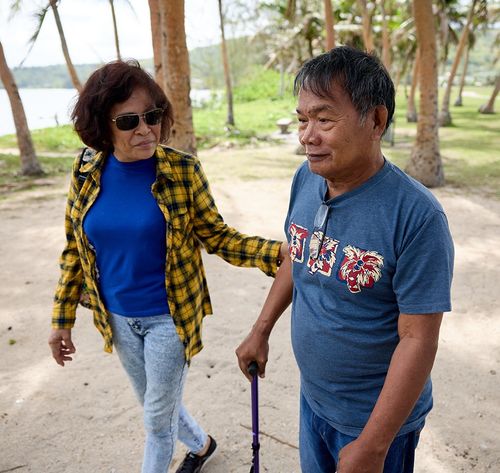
(425, 161)
(411, 109)
(329, 25)
(489, 107)
(458, 101)
(71, 69)
(156, 37)
(367, 26)
(175, 61)
(30, 165)
(445, 116)
(227, 72)
(115, 29)
(386, 40)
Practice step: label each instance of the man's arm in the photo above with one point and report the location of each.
(255, 347)
(409, 369)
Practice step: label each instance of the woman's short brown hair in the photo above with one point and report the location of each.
(109, 85)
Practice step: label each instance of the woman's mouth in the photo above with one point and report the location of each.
(145, 144)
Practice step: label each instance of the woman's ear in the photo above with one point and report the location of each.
(380, 115)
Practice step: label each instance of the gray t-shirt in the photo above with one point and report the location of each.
(386, 250)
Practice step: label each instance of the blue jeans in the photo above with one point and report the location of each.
(320, 445)
(153, 357)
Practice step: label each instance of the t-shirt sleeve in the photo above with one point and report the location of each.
(424, 271)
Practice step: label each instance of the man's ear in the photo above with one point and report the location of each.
(380, 115)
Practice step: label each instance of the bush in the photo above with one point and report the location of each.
(262, 84)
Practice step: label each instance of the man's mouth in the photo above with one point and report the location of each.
(316, 156)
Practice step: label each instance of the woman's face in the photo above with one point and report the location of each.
(141, 141)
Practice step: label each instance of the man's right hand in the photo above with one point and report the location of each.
(255, 347)
(61, 345)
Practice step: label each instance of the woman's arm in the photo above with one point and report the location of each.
(219, 238)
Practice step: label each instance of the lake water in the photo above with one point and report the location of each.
(50, 107)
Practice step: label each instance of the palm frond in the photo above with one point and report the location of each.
(40, 17)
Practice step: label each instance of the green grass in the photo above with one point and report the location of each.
(59, 139)
(10, 179)
(255, 120)
(470, 148)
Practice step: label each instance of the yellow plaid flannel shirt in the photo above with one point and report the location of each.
(183, 195)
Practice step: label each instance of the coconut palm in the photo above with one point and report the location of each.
(367, 9)
(227, 71)
(468, 47)
(411, 109)
(40, 15)
(489, 106)
(30, 165)
(444, 115)
(425, 161)
(115, 26)
(176, 73)
(329, 25)
(156, 38)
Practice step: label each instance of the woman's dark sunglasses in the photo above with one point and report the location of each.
(129, 121)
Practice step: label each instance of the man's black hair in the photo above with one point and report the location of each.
(361, 75)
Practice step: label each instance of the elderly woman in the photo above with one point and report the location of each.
(137, 216)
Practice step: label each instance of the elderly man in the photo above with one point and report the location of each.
(369, 275)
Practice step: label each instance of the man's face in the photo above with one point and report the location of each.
(338, 146)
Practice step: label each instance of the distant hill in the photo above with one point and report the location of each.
(206, 68)
(244, 53)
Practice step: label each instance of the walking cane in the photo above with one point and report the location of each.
(253, 369)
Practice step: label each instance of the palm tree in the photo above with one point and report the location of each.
(458, 101)
(489, 106)
(366, 17)
(227, 72)
(411, 109)
(329, 25)
(445, 116)
(30, 165)
(115, 29)
(176, 74)
(156, 38)
(71, 68)
(425, 161)
(386, 42)
(41, 14)
(115, 26)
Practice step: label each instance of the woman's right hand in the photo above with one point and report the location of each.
(61, 345)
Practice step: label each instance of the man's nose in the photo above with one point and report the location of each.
(309, 134)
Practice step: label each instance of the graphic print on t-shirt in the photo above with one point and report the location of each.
(296, 246)
(322, 259)
(360, 268)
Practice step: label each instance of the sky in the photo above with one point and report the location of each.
(88, 29)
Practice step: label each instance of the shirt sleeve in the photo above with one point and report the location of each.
(422, 281)
(67, 294)
(219, 238)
